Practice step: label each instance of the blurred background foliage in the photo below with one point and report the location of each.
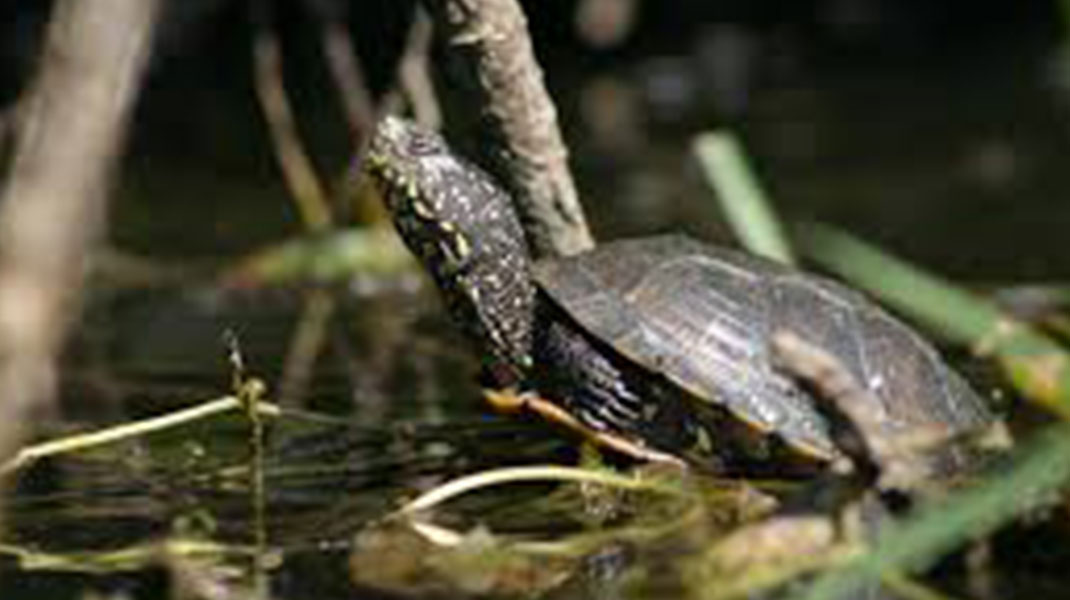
(894, 118)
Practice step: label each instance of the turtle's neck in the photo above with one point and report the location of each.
(462, 225)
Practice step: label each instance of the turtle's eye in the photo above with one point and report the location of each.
(424, 145)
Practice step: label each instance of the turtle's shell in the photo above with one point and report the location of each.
(703, 317)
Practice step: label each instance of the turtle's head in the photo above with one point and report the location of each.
(463, 227)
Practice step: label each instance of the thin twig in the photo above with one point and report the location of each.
(345, 69)
(412, 83)
(298, 171)
(128, 558)
(304, 184)
(251, 395)
(414, 73)
(110, 435)
(485, 479)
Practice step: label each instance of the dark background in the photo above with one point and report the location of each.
(937, 128)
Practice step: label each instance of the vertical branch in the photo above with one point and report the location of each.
(297, 169)
(344, 67)
(306, 344)
(414, 72)
(304, 184)
(52, 208)
(490, 50)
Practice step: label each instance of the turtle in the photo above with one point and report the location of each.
(644, 338)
